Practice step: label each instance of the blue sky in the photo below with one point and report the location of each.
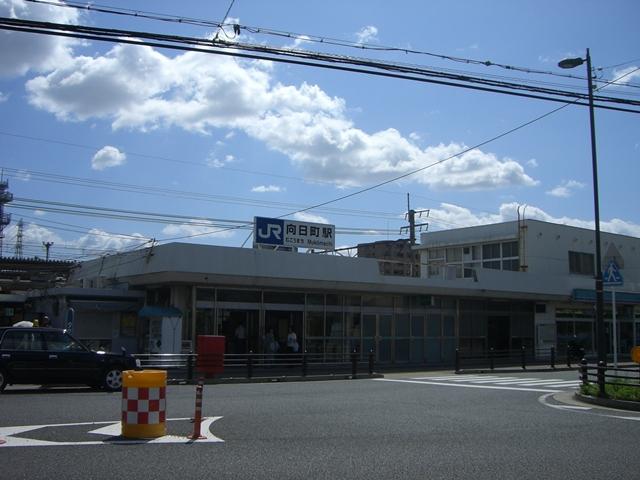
(200, 136)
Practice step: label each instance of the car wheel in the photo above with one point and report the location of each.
(3, 380)
(113, 379)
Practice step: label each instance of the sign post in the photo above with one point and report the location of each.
(611, 278)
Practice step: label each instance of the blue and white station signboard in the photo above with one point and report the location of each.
(276, 232)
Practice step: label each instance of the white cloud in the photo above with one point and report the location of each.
(22, 52)
(415, 136)
(626, 75)
(267, 188)
(198, 230)
(452, 216)
(301, 40)
(533, 163)
(565, 189)
(23, 175)
(367, 34)
(39, 213)
(97, 241)
(3, 97)
(108, 157)
(214, 162)
(309, 217)
(145, 90)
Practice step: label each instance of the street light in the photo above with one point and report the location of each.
(600, 333)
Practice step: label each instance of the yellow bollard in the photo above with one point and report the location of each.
(144, 403)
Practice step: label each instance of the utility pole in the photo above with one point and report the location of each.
(19, 235)
(411, 217)
(47, 246)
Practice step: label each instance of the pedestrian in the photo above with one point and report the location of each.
(241, 337)
(292, 341)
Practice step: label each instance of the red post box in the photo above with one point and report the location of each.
(210, 354)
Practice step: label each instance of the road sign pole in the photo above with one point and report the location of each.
(615, 328)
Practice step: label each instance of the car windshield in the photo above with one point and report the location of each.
(62, 342)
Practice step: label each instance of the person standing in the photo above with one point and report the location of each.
(292, 342)
(241, 338)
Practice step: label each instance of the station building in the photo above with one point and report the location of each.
(522, 283)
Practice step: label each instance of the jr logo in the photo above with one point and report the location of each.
(272, 230)
(269, 231)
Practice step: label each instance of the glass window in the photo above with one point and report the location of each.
(369, 326)
(61, 342)
(434, 269)
(334, 324)
(353, 300)
(418, 301)
(512, 265)
(454, 254)
(290, 298)
(510, 249)
(385, 325)
(353, 324)
(205, 294)
(335, 300)
(433, 325)
(417, 348)
(21, 340)
(581, 263)
(494, 265)
(241, 296)
(466, 324)
(315, 324)
(436, 253)
(402, 325)
(315, 299)
(491, 250)
(433, 350)
(417, 325)
(402, 350)
(377, 300)
(448, 326)
(475, 252)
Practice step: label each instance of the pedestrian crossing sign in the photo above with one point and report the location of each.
(612, 275)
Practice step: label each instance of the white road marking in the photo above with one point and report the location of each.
(488, 387)
(111, 429)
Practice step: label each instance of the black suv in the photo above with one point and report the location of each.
(47, 356)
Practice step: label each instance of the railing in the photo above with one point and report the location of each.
(255, 365)
(523, 358)
(605, 376)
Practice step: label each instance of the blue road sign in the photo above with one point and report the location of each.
(612, 275)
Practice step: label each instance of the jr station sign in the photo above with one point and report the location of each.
(277, 232)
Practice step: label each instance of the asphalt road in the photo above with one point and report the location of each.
(357, 429)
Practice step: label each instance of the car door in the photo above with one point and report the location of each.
(24, 356)
(68, 360)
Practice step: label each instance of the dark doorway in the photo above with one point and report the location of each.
(498, 334)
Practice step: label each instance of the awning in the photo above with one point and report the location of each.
(584, 295)
(155, 311)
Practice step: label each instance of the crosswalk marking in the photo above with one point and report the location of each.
(499, 382)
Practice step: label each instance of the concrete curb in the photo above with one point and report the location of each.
(274, 378)
(608, 402)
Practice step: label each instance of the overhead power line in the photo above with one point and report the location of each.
(313, 59)
(288, 35)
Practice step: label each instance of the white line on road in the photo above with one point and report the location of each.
(488, 387)
(112, 429)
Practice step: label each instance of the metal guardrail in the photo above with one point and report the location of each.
(603, 375)
(190, 366)
(523, 357)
